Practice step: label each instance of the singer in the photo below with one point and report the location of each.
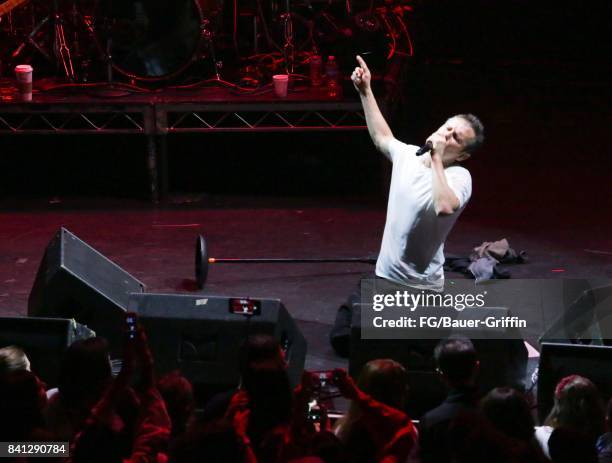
(427, 193)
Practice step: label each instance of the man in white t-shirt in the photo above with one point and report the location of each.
(427, 193)
(426, 196)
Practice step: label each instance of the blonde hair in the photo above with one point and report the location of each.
(13, 358)
(578, 405)
(386, 381)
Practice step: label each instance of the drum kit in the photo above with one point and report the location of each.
(157, 40)
(139, 39)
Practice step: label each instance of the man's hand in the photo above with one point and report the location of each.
(361, 76)
(438, 143)
(308, 385)
(445, 200)
(345, 384)
(145, 357)
(240, 420)
(239, 402)
(377, 126)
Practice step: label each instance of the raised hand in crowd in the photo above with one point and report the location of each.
(346, 385)
(97, 441)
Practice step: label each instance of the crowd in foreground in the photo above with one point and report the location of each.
(134, 418)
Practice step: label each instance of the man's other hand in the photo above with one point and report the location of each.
(438, 143)
(361, 76)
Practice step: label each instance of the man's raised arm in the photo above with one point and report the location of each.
(377, 126)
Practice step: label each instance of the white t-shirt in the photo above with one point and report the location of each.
(412, 250)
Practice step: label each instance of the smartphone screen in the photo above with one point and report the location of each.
(130, 321)
(245, 306)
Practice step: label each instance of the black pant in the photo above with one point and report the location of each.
(340, 335)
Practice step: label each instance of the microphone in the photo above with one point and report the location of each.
(428, 146)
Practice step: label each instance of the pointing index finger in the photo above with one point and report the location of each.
(362, 63)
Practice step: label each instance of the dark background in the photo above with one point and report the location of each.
(536, 73)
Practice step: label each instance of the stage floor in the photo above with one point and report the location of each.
(156, 245)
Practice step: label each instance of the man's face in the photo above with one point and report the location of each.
(458, 133)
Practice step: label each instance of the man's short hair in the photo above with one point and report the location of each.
(476, 125)
(456, 358)
(13, 358)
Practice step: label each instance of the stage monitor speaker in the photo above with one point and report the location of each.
(503, 358)
(586, 320)
(560, 360)
(76, 281)
(201, 335)
(44, 341)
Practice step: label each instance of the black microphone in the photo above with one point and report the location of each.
(428, 146)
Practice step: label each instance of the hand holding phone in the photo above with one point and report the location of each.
(345, 384)
(324, 383)
(136, 352)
